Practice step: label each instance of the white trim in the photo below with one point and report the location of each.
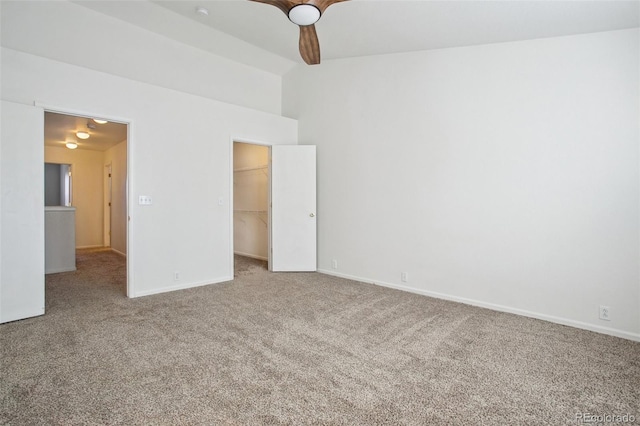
(118, 252)
(123, 120)
(500, 308)
(233, 140)
(57, 271)
(249, 141)
(253, 256)
(182, 287)
(128, 195)
(270, 213)
(82, 113)
(231, 270)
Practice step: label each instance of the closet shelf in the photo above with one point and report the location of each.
(258, 212)
(248, 169)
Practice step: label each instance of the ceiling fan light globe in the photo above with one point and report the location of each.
(304, 14)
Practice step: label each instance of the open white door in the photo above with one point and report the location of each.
(293, 208)
(21, 212)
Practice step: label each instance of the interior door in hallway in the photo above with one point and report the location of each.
(107, 206)
(293, 208)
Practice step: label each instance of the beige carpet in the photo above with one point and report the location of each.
(297, 348)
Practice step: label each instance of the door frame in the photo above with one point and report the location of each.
(130, 142)
(231, 217)
(106, 223)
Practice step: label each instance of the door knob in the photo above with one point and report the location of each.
(312, 215)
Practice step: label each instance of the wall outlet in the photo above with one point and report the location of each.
(176, 276)
(334, 264)
(605, 313)
(404, 277)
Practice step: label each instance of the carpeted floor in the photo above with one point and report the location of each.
(297, 348)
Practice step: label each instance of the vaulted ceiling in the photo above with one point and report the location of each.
(261, 36)
(244, 30)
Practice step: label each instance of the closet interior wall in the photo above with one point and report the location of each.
(251, 200)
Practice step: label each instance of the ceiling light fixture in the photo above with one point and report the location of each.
(304, 14)
(202, 11)
(82, 135)
(71, 145)
(100, 121)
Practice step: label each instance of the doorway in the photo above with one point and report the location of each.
(107, 205)
(274, 204)
(96, 150)
(251, 201)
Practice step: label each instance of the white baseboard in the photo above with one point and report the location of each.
(57, 271)
(90, 247)
(118, 252)
(181, 287)
(253, 256)
(500, 308)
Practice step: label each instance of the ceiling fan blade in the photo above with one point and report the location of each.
(322, 5)
(283, 5)
(309, 45)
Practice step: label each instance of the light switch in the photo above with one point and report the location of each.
(144, 200)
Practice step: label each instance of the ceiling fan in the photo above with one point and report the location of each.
(304, 13)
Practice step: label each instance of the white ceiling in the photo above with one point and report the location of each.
(367, 27)
(61, 128)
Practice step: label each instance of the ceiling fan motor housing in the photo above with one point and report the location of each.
(304, 14)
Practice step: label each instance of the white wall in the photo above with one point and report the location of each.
(117, 157)
(179, 154)
(77, 35)
(501, 175)
(86, 190)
